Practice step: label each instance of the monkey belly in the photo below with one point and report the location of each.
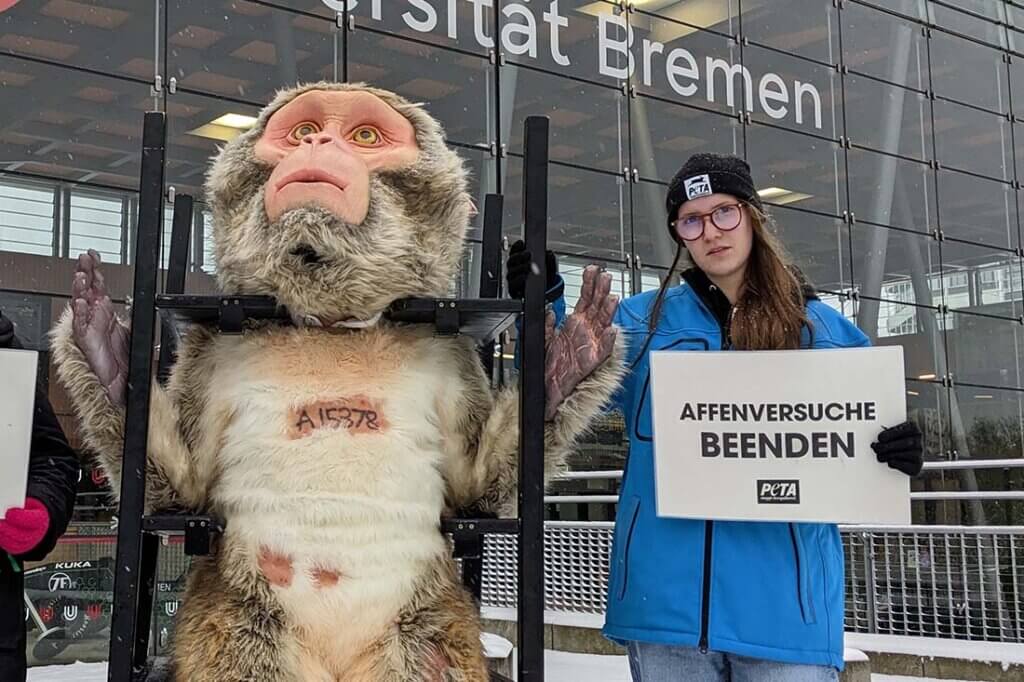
(329, 478)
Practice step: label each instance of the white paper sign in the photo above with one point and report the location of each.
(17, 403)
(779, 435)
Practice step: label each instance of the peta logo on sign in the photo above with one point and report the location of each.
(699, 186)
(778, 492)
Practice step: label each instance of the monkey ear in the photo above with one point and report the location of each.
(473, 210)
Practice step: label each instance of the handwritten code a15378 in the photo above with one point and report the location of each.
(355, 414)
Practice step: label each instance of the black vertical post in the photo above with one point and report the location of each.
(490, 267)
(125, 635)
(177, 266)
(531, 408)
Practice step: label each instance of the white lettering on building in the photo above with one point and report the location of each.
(679, 68)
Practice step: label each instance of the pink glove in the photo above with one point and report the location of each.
(23, 528)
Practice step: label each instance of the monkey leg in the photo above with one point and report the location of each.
(226, 634)
(436, 638)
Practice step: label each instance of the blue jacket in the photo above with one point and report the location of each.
(760, 589)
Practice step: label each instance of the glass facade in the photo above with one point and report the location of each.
(886, 136)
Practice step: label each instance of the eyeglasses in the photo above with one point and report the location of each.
(691, 226)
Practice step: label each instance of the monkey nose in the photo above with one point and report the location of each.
(308, 254)
(323, 137)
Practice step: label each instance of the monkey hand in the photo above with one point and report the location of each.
(585, 340)
(96, 330)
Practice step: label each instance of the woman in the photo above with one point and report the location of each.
(707, 600)
(30, 532)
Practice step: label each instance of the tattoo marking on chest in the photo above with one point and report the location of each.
(355, 414)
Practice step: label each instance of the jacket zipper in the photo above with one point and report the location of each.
(705, 608)
(709, 526)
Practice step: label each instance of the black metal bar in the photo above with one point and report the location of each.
(530, 632)
(177, 266)
(144, 608)
(128, 564)
(490, 267)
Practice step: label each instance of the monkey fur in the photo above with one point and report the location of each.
(332, 565)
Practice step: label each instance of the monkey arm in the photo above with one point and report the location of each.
(169, 470)
(482, 433)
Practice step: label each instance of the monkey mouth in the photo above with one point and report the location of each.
(308, 255)
(312, 175)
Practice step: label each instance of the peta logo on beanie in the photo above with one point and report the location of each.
(778, 492)
(698, 186)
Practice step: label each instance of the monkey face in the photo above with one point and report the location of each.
(323, 147)
(340, 200)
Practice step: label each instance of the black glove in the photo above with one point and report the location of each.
(518, 267)
(902, 448)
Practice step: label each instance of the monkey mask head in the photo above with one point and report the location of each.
(341, 199)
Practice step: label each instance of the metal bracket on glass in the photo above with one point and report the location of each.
(158, 85)
(170, 194)
(351, 22)
(172, 85)
(938, 235)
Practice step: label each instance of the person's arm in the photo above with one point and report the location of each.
(31, 532)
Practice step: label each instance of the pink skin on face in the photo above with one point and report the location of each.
(721, 255)
(325, 144)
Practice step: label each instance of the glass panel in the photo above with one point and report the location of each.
(884, 46)
(720, 15)
(794, 93)
(26, 216)
(992, 422)
(985, 351)
(896, 265)
(581, 38)
(193, 137)
(928, 407)
(589, 125)
(973, 140)
(789, 168)
(481, 166)
(962, 262)
(818, 245)
(72, 125)
(665, 135)
(913, 327)
(97, 223)
(977, 210)
(888, 118)
(676, 62)
(457, 89)
(110, 37)
(888, 190)
(651, 238)
(804, 27)
(913, 9)
(588, 212)
(466, 25)
(571, 270)
(246, 50)
(968, 72)
(985, 30)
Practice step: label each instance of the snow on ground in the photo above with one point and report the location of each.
(990, 652)
(558, 667)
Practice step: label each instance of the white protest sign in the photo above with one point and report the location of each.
(17, 403)
(778, 435)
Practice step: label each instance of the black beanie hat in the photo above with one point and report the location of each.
(705, 174)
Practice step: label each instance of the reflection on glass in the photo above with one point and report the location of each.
(818, 245)
(804, 27)
(968, 72)
(963, 265)
(888, 190)
(985, 351)
(664, 135)
(884, 46)
(977, 210)
(800, 165)
(972, 140)
(888, 118)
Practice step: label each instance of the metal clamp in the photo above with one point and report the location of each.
(446, 320)
(231, 316)
(197, 537)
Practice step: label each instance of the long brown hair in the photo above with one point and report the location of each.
(769, 314)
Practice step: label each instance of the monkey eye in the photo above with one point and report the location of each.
(366, 136)
(303, 129)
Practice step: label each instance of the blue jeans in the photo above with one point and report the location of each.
(664, 663)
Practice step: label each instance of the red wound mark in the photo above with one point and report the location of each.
(276, 568)
(436, 665)
(324, 578)
(356, 414)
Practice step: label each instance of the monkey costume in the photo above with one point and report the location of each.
(332, 447)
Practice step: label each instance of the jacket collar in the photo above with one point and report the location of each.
(718, 303)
